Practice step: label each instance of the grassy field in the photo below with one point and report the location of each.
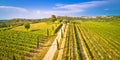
(40, 28)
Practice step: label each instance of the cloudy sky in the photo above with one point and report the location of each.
(45, 8)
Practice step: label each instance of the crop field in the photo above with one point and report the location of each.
(91, 40)
(22, 44)
(18, 43)
(59, 29)
(103, 38)
(70, 40)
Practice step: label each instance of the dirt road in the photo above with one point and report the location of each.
(53, 47)
(62, 45)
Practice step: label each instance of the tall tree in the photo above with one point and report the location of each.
(60, 20)
(27, 25)
(53, 18)
(57, 45)
(61, 33)
(47, 32)
(52, 27)
(14, 57)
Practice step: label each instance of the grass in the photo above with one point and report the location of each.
(40, 28)
(45, 48)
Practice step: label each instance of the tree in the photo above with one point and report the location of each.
(14, 57)
(27, 25)
(52, 27)
(53, 18)
(57, 45)
(60, 20)
(61, 33)
(47, 32)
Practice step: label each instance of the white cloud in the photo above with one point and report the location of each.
(67, 9)
(59, 9)
(79, 6)
(13, 8)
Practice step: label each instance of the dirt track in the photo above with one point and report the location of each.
(62, 45)
(50, 54)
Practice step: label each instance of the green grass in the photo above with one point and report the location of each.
(40, 28)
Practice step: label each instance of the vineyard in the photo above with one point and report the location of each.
(16, 43)
(70, 40)
(59, 29)
(92, 41)
(19, 44)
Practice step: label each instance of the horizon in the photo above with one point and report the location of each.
(61, 16)
(38, 9)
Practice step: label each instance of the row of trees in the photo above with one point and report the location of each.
(53, 19)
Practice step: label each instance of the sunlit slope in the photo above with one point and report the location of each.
(40, 28)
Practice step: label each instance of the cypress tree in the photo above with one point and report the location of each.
(57, 45)
(14, 57)
(61, 34)
(52, 27)
(47, 32)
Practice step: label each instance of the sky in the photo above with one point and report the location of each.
(36, 9)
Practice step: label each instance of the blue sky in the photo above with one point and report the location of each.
(45, 8)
